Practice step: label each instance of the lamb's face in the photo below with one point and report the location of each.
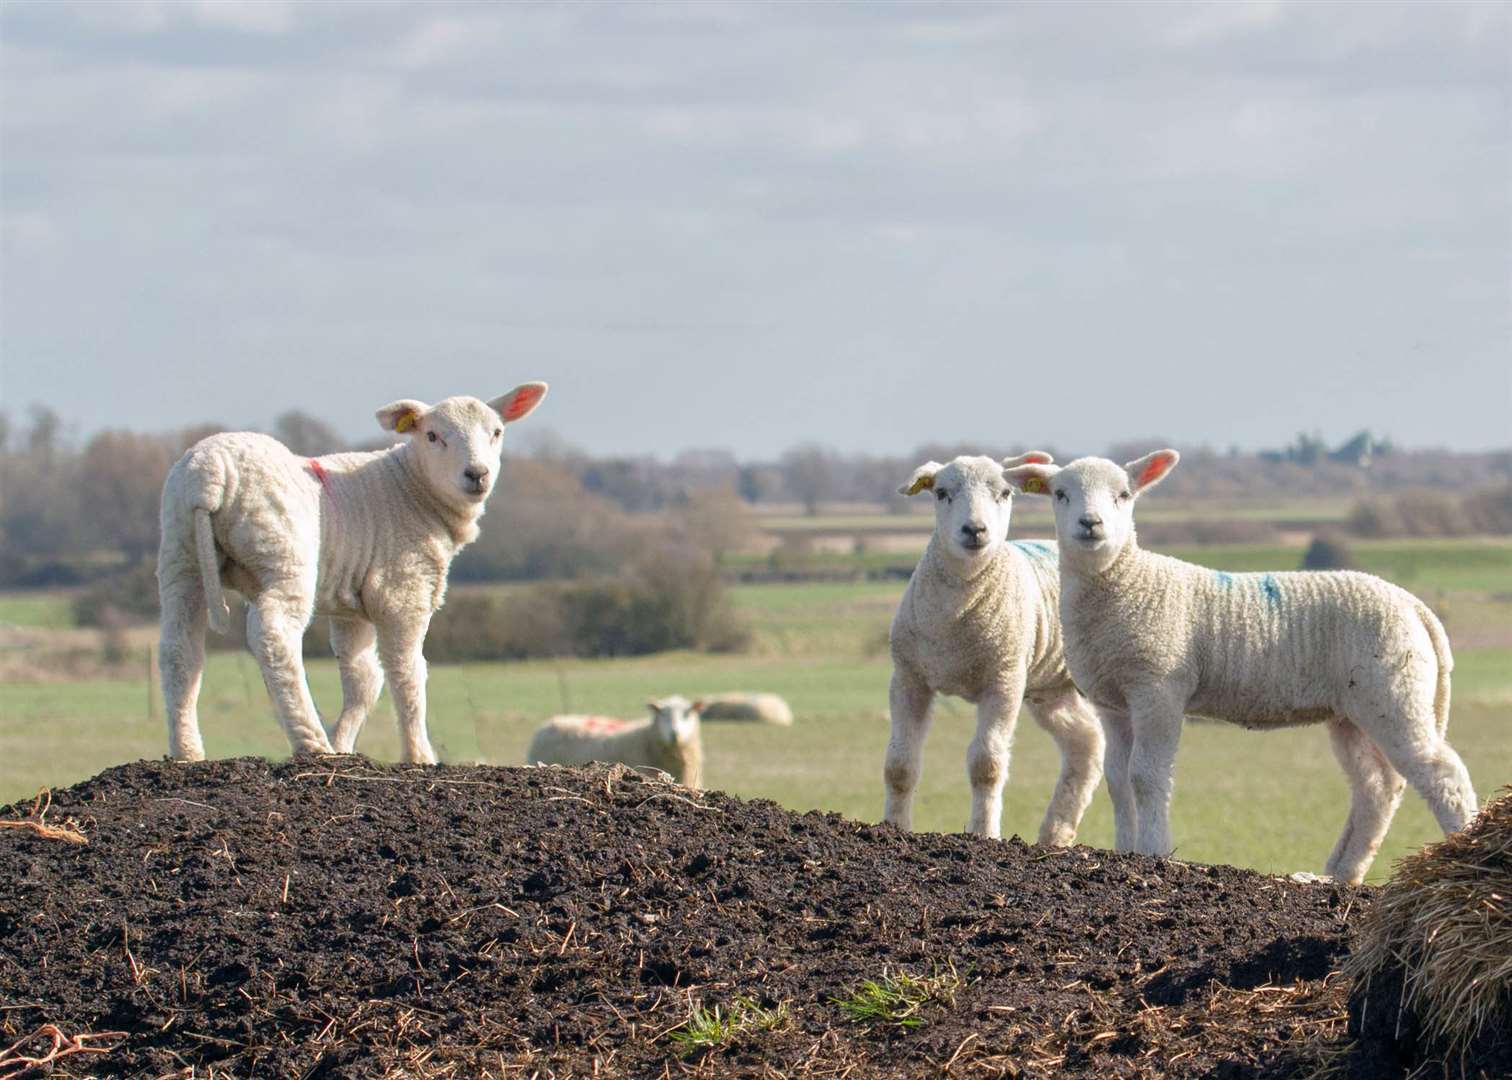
(675, 719)
(1093, 500)
(972, 502)
(1094, 509)
(458, 442)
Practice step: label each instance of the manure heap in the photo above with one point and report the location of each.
(335, 917)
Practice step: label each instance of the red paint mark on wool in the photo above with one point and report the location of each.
(522, 403)
(603, 725)
(318, 470)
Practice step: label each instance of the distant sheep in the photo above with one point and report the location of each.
(668, 740)
(1151, 638)
(743, 705)
(980, 620)
(364, 538)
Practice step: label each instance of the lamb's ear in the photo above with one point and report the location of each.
(922, 478)
(1033, 457)
(1031, 479)
(402, 415)
(697, 707)
(1151, 469)
(519, 402)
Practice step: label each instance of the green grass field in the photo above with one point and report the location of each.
(1274, 801)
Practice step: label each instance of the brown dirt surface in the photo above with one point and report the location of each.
(337, 918)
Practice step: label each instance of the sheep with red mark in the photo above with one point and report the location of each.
(669, 740)
(366, 539)
(1151, 638)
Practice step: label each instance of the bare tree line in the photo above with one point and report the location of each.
(69, 504)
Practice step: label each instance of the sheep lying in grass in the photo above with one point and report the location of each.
(1150, 638)
(743, 705)
(364, 538)
(668, 740)
(980, 620)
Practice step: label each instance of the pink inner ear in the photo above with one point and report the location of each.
(1036, 459)
(522, 403)
(1153, 471)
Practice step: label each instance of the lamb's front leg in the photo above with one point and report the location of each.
(908, 699)
(1073, 724)
(399, 648)
(987, 756)
(1118, 737)
(1156, 717)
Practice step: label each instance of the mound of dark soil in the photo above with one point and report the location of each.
(339, 918)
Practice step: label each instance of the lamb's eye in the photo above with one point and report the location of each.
(430, 436)
(497, 432)
(941, 494)
(1124, 496)
(1060, 494)
(1006, 493)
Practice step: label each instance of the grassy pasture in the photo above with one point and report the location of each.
(1274, 800)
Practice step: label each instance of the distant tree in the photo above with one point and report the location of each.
(758, 483)
(306, 435)
(1328, 551)
(45, 439)
(120, 484)
(716, 521)
(809, 472)
(637, 484)
(544, 444)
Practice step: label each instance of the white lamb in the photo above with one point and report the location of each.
(668, 740)
(1150, 638)
(748, 706)
(364, 538)
(980, 620)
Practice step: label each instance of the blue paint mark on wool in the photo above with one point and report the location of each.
(1035, 549)
(1226, 580)
(1272, 590)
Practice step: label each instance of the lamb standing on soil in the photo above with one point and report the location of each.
(364, 538)
(980, 620)
(747, 706)
(1150, 638)
(668, 740)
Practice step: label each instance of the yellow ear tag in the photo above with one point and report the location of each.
(1034, 485)
(406, 422)
(921, 484)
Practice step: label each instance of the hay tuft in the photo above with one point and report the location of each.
(1431, 966)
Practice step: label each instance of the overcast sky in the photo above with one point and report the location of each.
(748, 225)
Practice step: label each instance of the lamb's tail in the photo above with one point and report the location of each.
(209, 563)
(1445, 663)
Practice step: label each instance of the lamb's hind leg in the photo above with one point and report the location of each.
(1407, 734)
(1375, 791)
(355, 643)
(1073, 724)
(275, 635)
(181, 663)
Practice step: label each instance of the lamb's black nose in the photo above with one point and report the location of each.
(477, 476)
(1089, 521)
(972, 531)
